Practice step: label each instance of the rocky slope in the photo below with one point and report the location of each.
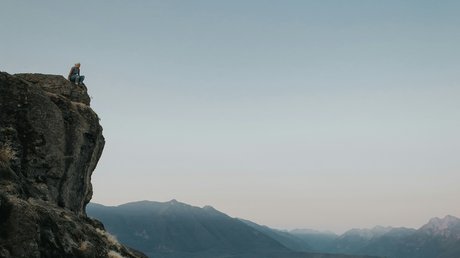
(50, 143)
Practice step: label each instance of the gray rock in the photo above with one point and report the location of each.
(53, 140)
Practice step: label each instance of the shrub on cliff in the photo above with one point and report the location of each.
(6, 154)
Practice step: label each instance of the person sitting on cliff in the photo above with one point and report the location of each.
(74, 75)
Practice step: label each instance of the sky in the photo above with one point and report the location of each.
(328, 114)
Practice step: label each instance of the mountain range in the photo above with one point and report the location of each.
(177, 230)
(439, 238)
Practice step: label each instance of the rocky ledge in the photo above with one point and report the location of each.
(50, 143)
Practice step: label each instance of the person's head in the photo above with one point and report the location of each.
(77, 65)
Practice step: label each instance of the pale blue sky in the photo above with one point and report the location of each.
(319, 114)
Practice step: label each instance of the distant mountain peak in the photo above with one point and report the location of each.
(367, 233)
(439, 226)
(311, 231)
(442, 224)
(209, 208)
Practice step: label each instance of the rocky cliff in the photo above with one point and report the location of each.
(50, 143)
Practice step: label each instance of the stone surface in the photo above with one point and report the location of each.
(56, 138)
(54, 84)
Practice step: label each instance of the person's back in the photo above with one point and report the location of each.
(74, 75)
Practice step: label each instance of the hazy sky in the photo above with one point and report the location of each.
(294, 114)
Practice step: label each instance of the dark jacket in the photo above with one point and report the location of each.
(74, 71)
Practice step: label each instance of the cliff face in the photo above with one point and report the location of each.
(50, 143)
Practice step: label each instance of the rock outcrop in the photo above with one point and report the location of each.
(50, 143)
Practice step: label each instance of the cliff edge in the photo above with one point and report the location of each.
(50, 143)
